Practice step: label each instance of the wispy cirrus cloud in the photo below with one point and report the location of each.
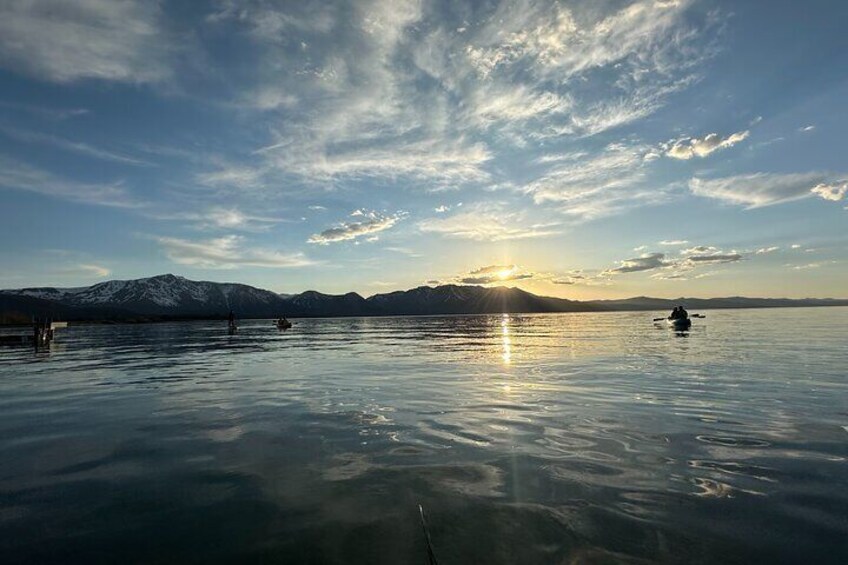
(603, 183)
(391, 91)
(373, 222)
(766, 189)
(225, 218)
(488, 222)
(15, 175)
(228, 252)
(73, 146)
(91, 39)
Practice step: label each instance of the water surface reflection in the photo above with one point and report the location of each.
(528, 439)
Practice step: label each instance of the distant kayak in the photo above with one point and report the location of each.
(680, 324)
(283, 325)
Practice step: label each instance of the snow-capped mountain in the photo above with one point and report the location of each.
(163, 295)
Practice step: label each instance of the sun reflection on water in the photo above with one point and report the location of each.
(506, 355)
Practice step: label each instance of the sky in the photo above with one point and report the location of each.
(581, 149)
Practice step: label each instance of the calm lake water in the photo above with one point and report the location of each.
(570, 438)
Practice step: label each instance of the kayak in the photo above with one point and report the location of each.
(283, 325)
(680, 324)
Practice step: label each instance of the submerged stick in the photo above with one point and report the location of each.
(431, 557)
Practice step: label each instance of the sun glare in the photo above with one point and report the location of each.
(505, 274)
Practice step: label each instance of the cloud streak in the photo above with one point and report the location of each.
(490, 222)
(767, 189)
(15, 175)
(227, 252)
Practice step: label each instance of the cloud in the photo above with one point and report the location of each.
(234, 176)
(689, 147)
(573, 277)
(390, 91)
(85, 270)
(46, 112)
(815, 265)
(673, 242)
(15, 175)
(645, 262)
(766, 189)
(73, 146)
(494, 274)
(807, 129)
(227, 252)
(764, 250)
(832, 192)
(373, 223)
(488, 222)
(63, 41)
(671, 268)
(715, 258)
(442, 209)
(597, 185)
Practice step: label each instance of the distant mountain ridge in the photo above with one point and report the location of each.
(174, 297)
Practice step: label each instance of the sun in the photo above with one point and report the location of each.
(506, 273)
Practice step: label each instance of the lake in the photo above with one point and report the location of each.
(564, 438)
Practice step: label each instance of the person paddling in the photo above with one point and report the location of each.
(679, 313)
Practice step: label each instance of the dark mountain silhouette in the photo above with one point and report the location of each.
(175, 297)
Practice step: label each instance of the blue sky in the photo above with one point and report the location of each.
(579, 149)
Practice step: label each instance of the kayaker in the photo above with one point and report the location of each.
(682, 313)
(675, 314)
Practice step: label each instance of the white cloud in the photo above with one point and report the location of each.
(64, 41)
(765, 189)
(807, 129)
(597, 185)
(388, 90)
(74, 146)
(833, 192)
(15, 175)
(227, 252)
(373, 223)
(673, 242)
(764, 250)
(489, 222)
(689, 147)
(442, 209)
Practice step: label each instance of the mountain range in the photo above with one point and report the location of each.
(173, 297)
